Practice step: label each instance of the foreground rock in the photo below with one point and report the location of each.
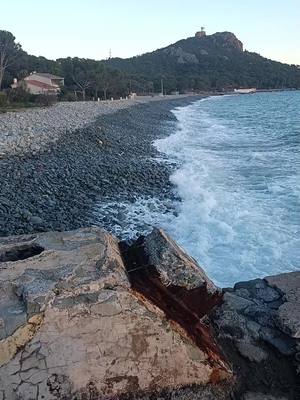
(85, 317)
(259, 329)
(78, 322)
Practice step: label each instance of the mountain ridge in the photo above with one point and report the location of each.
(216, 61)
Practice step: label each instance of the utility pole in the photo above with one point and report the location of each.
(162, 86)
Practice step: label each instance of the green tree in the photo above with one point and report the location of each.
(9, 51)
(78, 74)
(99, 79)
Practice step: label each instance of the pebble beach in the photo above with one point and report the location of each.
(33, 129)
(57, 162)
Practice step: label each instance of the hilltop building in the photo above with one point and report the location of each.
(41, 83)
(201, 33)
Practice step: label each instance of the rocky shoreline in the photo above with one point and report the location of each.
(56, 186)
(32, 130)
(83, 316)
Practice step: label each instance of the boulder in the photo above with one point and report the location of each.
(161, 271)
(174, 266)
(288, 314)
(77, 323)
(258, 328)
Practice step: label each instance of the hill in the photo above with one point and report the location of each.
(206, 63)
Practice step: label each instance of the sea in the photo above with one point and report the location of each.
(237, 185)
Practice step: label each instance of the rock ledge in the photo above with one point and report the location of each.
(85, 317)
(77, 324)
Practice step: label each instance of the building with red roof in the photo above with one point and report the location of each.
(41, 83)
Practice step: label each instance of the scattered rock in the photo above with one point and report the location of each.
(37, 221)
(261, 396)
(289, 311)
(59, 186)
(252, 352)
(32, 130)
(258, 327)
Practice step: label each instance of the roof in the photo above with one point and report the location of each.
(46, 75)
(41, 84)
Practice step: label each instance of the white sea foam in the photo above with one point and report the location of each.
(238, 178)
(128, 220)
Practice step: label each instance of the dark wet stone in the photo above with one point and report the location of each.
(57, 189)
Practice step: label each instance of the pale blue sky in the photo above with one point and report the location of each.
(89, 28)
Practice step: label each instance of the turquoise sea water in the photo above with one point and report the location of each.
(238, 178)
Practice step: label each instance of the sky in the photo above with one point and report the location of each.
(90, 28)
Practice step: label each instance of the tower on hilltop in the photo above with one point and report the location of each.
(201, 33)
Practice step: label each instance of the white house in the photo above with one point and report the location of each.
(41, 83)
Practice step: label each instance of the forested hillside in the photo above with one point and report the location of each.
(215, 62)
(208, 63)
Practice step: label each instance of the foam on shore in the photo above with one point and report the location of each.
(238, 182)
(236, 186)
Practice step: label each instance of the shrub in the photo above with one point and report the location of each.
(70, 96)
(3, 99)
(45, 99)
(67, 96)
(19, 95)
